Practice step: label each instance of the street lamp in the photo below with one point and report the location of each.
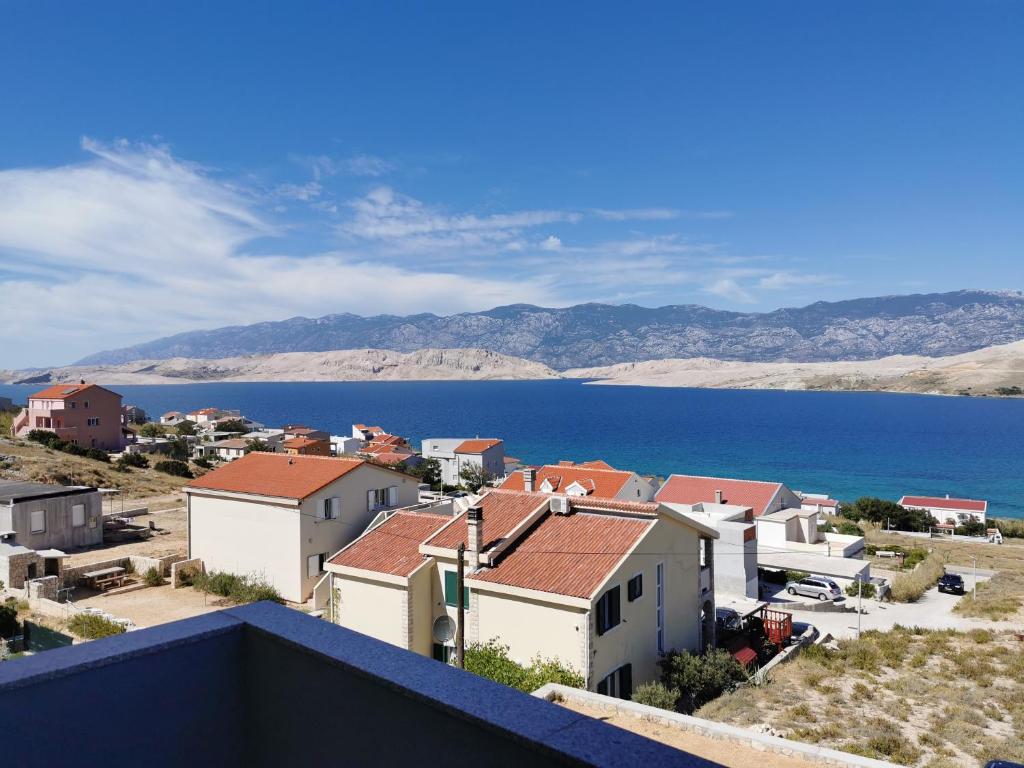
(975, 586)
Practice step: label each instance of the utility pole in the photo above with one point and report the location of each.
(975, 559)
(460, 636)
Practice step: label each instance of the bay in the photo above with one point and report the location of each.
(846, 444)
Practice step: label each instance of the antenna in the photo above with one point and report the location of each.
(443, 630)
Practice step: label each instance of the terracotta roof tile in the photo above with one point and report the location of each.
(60, 391)
(607, 483)
(692, 489)
(476, 446)
(941, 502)
(301, 442)
(502, 513)
(276, 474)
(393, 547)
(566, 554)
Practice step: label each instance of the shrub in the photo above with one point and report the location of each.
(43, 436)
(203, 462)
(174, 467)
(1011, 528)
(908, 587)
(153, 578)
(97, 455)
(655, 694)
(491, 660)
(152, 429)
(796, 575)
(887, 512)
(700, 678)
(970, 528)
(867, 589)
(92, 627)
(8, 620)
(133, 460)
(849, 528)
(238, 589)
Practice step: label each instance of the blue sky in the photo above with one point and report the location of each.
(169, 167)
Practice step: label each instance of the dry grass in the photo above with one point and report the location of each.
(911, 696)
(908, 587)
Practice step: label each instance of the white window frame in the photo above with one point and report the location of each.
(40, 515)
(77, 515)
(330, 508)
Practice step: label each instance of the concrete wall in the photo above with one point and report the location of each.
(735, 558)
(421, 612)
(637, 489)
(373, 608)
(533, 627)
(59, 533)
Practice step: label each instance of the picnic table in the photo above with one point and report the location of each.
(104, 578)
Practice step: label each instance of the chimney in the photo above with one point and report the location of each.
(529, 479)
(718, 497)
(475, 527)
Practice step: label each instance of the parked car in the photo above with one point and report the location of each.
(952, 583)
(815, 586)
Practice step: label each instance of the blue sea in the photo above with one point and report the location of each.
(846, 444)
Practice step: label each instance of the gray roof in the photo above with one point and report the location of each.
(13, 491)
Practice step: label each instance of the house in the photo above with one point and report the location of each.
(37, 521)
(273, 438)
(297, 430)
(230, 685)
(456, 454)
(735, 551)
(604, 586)
(85, 414)
(132, 414)
(281, 516)
(345, 446)
(304, 446)
(366, 433)
(227, 450)
(762, 497)
(819, 503)
(172, 418)
(204, 415)
(590, 478)
(948, 510)
(789, 539)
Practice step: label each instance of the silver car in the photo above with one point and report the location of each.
(815, 586)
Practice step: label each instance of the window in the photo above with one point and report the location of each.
(382, 497)
(85, 404)
(442, 652)
(38, 521)
(74, 405)
(451, 594)
(618, 684)
(635, 587)
(93, 421)
(703, 554)
(78, 515)
(330, 509)
(315, 565)
(608, 610)
(660, 589)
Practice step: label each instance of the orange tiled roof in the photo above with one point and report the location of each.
(606, 482)
(567, 554)
(692, 489)
(816, 500)
(476, 446)
(276, 474)
(942, 502)
(60, 391)
(393, 547)
(594, 502)
(502, 513)
(301, 442)
(595, 464)
(391, 457)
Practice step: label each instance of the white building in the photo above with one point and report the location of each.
(948, 510)
(590, 478)
(456, 454)
(735, 552)
(280, 517)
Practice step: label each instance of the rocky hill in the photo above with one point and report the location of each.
(601, 334)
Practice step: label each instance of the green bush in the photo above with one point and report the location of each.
(173, 467)
(50, 440)
(655, 694)
(238, 589)
(1011, 528)
(97, 455)
(92, 627)
(849, 528)
(867, 589)
(700, 678)
(153, 578)
(8, 620)
(887, 512)
(203, 462)
(491, 660)
(796, 575)
(970, 528)
(138, 460)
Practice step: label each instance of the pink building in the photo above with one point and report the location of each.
(86, 414)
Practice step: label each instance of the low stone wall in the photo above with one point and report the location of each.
(709, 729)
(46, 587)
(139, 563)
(195, 565)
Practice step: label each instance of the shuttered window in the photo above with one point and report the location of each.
(618, 684)
(608, 610)
(635, 587)
(451, 594)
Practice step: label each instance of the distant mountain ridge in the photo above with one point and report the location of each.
(588, 335)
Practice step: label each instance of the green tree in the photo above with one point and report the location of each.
(700, 678)
(890, 513)
(491, 660)
(474, 476)
(258, 446)
(971, 528)
(429, 472)
(179, 449)
(232, 425)
(152, 429)
(8, 620)
(185, 427)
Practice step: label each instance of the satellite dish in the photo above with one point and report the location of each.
(443, 629)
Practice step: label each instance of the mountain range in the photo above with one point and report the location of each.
(587, 335)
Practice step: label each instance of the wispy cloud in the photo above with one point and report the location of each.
(657, 214)
(325, 166)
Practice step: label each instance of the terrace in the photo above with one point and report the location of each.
(266, 685)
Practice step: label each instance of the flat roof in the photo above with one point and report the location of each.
(792, 560)
(15, 491)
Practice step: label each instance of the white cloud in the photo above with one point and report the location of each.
(305, 192)
(551, 243)
(133, 244)
(356, 165)
(657, 214)
(730, 289)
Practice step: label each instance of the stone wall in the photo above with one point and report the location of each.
(14, 568)
(46, 587)
(195, 565)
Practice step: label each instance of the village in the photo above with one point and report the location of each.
(453, 550)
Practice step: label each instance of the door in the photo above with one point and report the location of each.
(30, 572)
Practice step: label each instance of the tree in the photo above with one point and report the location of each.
(152, 429)
(258, 446)
(971, 528)
(475, 477)
(185, 427)
(883, 511)
(700, 678)
(429, 472)
(8, 620)
(179, 449)
(491, 660)
(232, 425)
(176, 468)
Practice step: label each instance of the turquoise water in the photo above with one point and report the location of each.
(846, 444)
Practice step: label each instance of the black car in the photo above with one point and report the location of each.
(952, 583)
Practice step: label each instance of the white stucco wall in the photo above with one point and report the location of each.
(532, 627)
(373, 608)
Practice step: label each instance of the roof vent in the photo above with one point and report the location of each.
(718, 497)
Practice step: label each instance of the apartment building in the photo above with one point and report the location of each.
(85, 414)
(455, 454)
(604, 586)
(589, 478)
(948, 510)
(761, 497)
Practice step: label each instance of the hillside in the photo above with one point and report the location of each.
(979, 372)
(602, 334)
(343, 365)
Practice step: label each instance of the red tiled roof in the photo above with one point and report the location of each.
(204, 410)
(389, 457)
(393, 547)
(60, 391)
(606, 482)
(941, 502)
(567, 554)
(276, 474)
(691, 489)
(301, 442)
(822, 502)
(502, 513)
(583, 503)
(476, 446)
(595, 464)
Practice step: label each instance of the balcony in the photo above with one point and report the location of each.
(267, 685)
